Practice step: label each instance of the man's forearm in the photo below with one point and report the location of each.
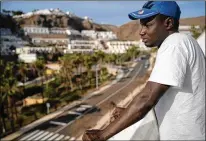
(137, 109)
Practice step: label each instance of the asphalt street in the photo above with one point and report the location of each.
(73, 122)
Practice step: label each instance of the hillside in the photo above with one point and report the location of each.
(128, 31)
(57, 18)
(193, 21)
(52, 18)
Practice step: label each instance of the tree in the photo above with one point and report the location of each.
(8, 90)
(40, 66)
(100, 55)
(66, 72)
(6, 12)
(110, 58)
(153, 50)
(195, 32)
(98, 60)
(23, 71)
(133, 52)
(78, 62)
(15, 13)
(88, 62)
(2, 100)
(35, 10)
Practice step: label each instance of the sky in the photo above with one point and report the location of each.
(105, 12)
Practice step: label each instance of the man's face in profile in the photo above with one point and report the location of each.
(151, 30)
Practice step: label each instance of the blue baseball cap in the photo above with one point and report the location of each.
(151, 8)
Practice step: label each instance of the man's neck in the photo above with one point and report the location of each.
(169, 33)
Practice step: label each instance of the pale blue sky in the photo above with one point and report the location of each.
(108, 12)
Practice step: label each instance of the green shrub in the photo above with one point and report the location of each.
(29, 110)
(71, 97)
(50, 91)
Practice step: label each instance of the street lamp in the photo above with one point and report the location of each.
(96, 67)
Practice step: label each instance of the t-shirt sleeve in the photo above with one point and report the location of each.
(170, 66)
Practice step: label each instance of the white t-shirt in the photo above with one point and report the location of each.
(180, 112)
(201, 41)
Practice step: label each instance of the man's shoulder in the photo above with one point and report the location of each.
(177, 40)
(178, 37)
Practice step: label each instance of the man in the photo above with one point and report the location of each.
(176, 86)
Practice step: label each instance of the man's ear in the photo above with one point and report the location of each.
(169, 23)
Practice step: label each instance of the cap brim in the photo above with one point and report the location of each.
(142, 14)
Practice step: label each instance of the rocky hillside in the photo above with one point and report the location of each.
(57, 18)
(52, 18)
(193, 21)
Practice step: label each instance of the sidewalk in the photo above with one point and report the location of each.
(30, 126)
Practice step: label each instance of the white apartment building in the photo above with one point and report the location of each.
(71, 32)
(120, 46)
(101, 35)
(33, 50)
(89, 33)
(27, 58)
(82, 46)
(115, 47)
(106, 35)
(58, 31)
(35, 30)
(56, 41)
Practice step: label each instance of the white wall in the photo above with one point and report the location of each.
(27, 58)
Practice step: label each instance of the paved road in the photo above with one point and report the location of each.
(72, 123)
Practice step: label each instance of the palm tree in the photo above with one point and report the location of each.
(133, 52)
(88, 62)
(40, 66)
(110, 58)
(195, 32)
(77, 61)
(66, 72)
(98, 60)
(23, 71)
(2, 101)
(100, 55)
(8, 90)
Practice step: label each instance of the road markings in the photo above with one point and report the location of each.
(46, 135)
(32, 133)
(41, 136)
(45, 138)
(53, 137)
(74, 113)
(67, 138)
(36, 135)
(59, 138)
(57, 123)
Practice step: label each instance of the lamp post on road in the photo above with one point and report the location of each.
(48, 106)
(97, 83)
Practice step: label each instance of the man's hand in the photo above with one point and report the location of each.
(116, 112)
(92, 135)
